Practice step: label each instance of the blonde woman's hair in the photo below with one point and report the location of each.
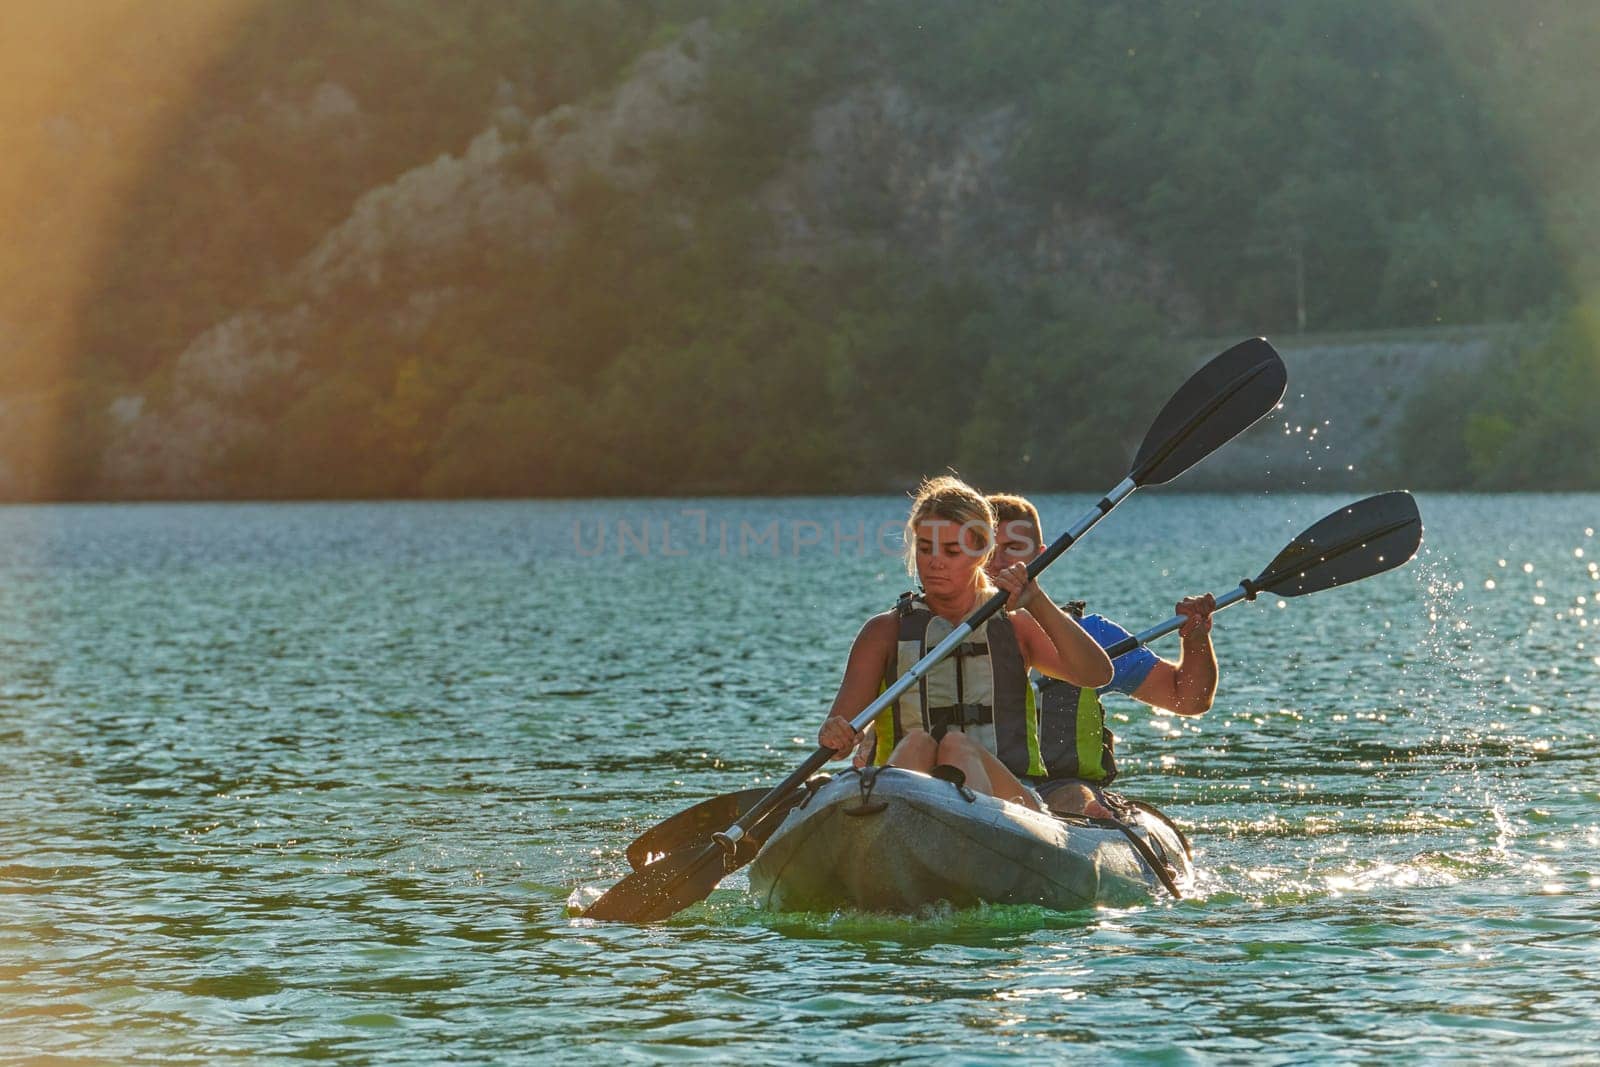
(953, 500)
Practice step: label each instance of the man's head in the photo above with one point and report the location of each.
(1018, 535)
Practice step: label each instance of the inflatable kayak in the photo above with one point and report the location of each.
(887, 839)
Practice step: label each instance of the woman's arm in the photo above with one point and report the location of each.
(863, 675)
(1052, 641)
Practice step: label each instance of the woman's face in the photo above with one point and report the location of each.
(949, 555)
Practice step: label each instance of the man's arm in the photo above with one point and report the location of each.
(1188, 686)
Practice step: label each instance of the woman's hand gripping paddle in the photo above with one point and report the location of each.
(1220, 401)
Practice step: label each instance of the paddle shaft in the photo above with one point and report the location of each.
(1128, 644)
(730, 837)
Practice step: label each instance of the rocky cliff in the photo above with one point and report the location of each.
(876, 168)
(711, 274)
(382, 260)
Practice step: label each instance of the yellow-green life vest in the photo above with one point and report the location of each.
(1074, 741)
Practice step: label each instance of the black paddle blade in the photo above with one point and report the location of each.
(691, 869)
(692, 826)
(695, 826)
(664, 888)
(1368, 537)
(1219, 401)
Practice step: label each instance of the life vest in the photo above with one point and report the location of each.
(980, 689)
(1074, 741)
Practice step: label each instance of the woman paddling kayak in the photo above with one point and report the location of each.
(974, 711)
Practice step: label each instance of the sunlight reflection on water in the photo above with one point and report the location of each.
(317, 780)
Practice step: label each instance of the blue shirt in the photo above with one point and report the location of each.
(1129, 669)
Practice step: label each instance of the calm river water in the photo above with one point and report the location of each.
(288, 782)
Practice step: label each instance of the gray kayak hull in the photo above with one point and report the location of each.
(914, 840)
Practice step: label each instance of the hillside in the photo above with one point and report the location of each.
(556, 249)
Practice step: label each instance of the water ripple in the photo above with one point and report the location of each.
(315, 781)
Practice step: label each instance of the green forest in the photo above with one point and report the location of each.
(1325, 165)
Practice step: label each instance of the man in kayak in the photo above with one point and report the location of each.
(1073, 760)
(972, 712)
